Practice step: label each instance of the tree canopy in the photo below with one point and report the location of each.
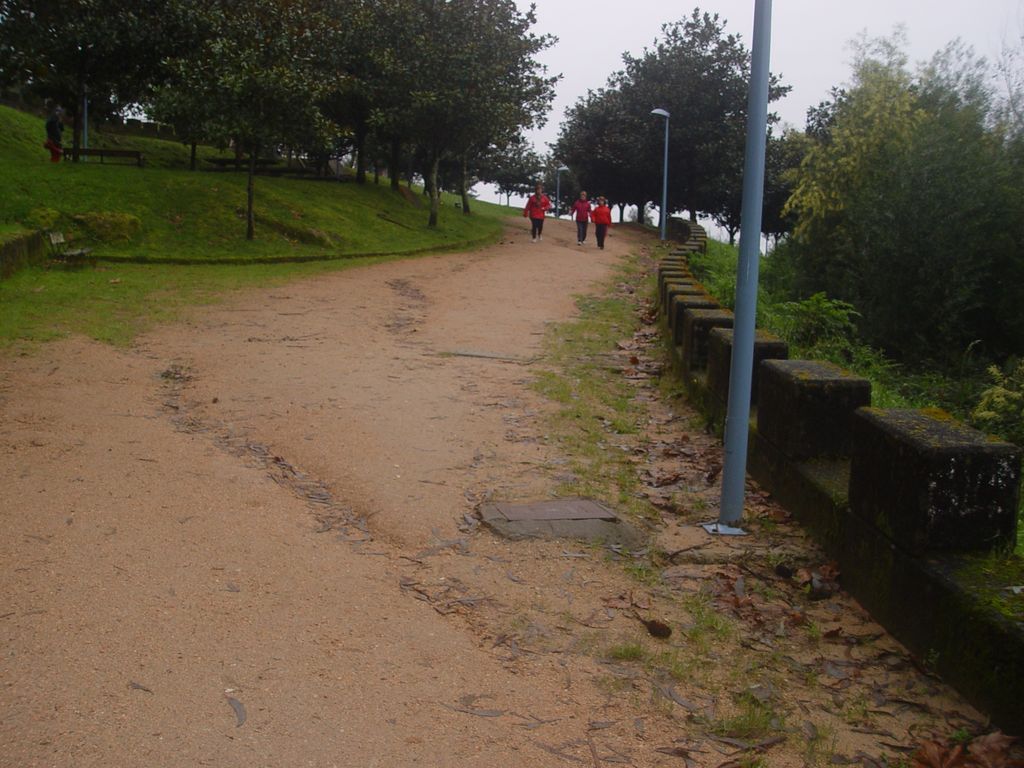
(908, 206)
(700, 74)
(438, 81)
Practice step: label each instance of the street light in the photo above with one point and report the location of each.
(664, 176)
(558, 189)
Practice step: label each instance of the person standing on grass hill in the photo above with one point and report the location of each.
(581, 212)
(54, 135)
(536, 206)
(602, 218)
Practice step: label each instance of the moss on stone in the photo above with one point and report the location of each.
(990, 578)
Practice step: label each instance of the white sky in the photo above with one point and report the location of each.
(809, 38)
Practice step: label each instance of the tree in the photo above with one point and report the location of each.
(598, 141)
(513, 169)
(700, 74)
(470, 75)
(65, 49)
(908, 206)
(783, 157)
(256, 74)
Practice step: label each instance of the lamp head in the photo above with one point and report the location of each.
(660, 112)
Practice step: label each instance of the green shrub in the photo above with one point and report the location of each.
(42, 218)
(108, 226)
(1001, 407)
(817, 321)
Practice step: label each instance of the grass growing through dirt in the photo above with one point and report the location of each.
(598, 420)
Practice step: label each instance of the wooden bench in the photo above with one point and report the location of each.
(126, 154)
(71, 257)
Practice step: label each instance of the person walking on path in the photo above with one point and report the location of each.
(581, 212)
(536, 206)
(602, 218)
(54, 134)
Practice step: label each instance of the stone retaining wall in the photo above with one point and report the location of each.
(918, 509)
(20, 251)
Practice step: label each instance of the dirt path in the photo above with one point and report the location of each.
(244, 542)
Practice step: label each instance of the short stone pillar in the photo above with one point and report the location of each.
(671, 270)
(679, 305)
(930, 483)
(683, 288)
(767, 346)
(672, 276)
(697, 325)
(805, 407)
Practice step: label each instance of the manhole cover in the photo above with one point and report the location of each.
(561, 518)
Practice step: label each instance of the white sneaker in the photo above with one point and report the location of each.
(533, 239)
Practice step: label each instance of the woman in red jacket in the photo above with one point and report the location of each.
(602, 218)
(581, 212)
(536, 206)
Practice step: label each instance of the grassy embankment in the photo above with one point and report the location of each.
(168, 237)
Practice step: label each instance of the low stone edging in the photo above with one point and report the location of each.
(21, 251)
(931, 500)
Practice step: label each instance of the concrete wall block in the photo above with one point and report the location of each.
(678, 306)
(686, 288)
(806, 407)
(930, 483)
(767, 346)
(697, 326)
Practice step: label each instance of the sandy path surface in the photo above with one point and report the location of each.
(243, 542)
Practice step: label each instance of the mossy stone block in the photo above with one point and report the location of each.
(680, 288)
(697, 326)
(679, 305)
(672, 278)
(767, 346)
(930, 483)
(805, 407)
(673, 266)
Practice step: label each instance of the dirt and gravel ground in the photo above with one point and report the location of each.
(248, 541)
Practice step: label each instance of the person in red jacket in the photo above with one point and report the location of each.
(581, 212)
(536, 206)
(602, 218)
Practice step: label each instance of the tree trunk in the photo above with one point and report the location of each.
(250, 215)
(76, 122)
(732, 235)
(622, 212)
(396, 159)
(361, 153)
(376, 172)
(76, 134)
(192, 156)
(693, 216)
(463, 187)
(435, 194)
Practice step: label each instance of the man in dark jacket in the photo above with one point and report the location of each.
(54, 132)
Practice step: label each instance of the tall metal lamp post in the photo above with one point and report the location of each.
(558, 189)
(664, 177)
(737, 420)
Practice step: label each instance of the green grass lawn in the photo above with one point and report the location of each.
(167, 236)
